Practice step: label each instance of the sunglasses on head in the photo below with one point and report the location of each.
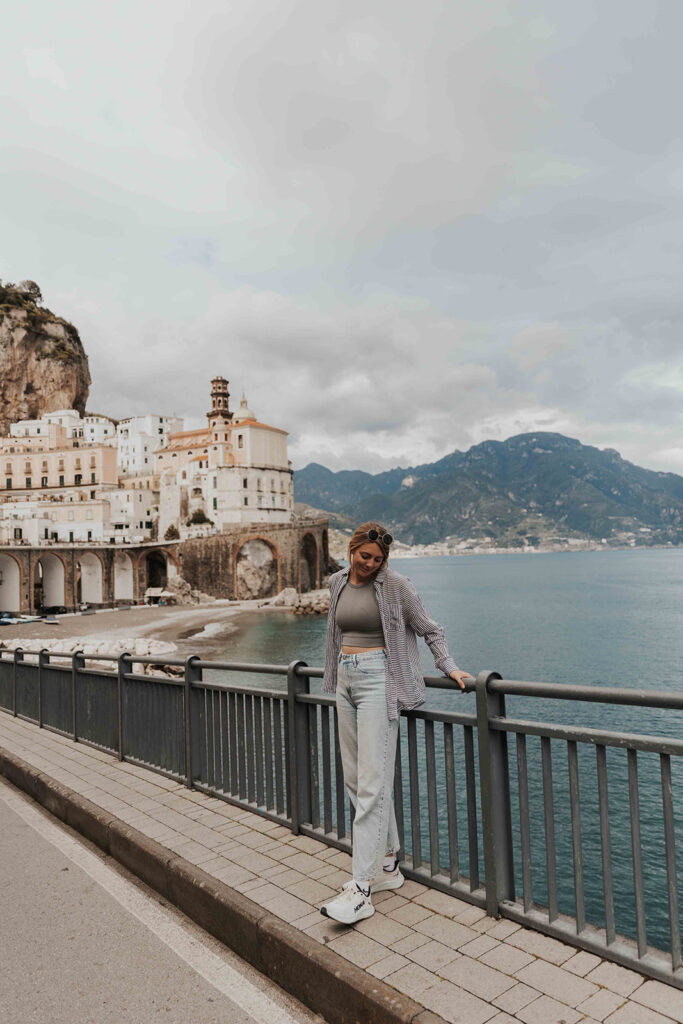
(385, 538)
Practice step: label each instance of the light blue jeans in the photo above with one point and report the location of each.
(367, 739)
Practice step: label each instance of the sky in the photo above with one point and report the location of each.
(400, 229)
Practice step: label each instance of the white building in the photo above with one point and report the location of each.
(90, 429)
(139, 437)
(234, 471)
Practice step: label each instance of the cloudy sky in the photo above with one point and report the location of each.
(400, 228)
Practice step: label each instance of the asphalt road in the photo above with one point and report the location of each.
(82, 941)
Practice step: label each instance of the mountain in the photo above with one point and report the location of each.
(533, 489)
(43, 364)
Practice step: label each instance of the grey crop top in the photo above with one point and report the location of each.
(358, 616)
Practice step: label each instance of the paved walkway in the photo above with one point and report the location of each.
(442, 952)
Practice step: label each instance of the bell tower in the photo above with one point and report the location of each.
(220, 400)
(219, 423)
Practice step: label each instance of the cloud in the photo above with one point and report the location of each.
(41, 63)
(400, 229)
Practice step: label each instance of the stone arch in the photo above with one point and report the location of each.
(124, 577)
(89, 578)
(257, 569)
(308, 563)
(10, 583)
(156, 568)
(49, 581)
(326, 552)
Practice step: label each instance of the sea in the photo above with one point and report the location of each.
(595, 618)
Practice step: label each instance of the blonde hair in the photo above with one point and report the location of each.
(360, 537)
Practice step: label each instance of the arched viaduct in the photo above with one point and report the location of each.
(255, 560)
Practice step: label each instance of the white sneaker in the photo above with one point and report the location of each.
(351, 906)
(388, 879)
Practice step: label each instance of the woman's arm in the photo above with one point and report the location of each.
(419, 619)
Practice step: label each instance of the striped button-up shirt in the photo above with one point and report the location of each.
(404, 618)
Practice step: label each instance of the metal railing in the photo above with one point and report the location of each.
(512, 828)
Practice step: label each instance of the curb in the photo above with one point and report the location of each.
(322, 979)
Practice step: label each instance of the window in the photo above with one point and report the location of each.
(93, 478)
(78, 479)
(93, 461)
(78, 463)
(92, 494)
(43, 481)
(8, 469)
(240, 440)
(89, 534)
(215, 504)
(214, 482)
(28, 481)
(61, 480)
(246, 501)
(44, 466)
(8, 483)
(244, 482)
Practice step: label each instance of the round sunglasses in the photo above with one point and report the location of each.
(385, 538)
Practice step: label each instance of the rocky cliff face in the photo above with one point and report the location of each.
(43, 365)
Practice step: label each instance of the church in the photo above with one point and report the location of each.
(233, 471)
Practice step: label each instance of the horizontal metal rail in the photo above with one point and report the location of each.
(504, 812)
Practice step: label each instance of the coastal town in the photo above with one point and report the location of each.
(96, 512)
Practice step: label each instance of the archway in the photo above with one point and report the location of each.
(326, 552)
(89, 581)
(10, 584)
(256, 571)
(157, 573)
(124, 580)
(49, 589)
(308, 563)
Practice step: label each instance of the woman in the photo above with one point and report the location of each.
(372, 664)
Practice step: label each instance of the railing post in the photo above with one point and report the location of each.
(18, 656)
(495, 796)
(123, 666)
(193, 674)
(43, 662)
(77, 662)
(299, 775)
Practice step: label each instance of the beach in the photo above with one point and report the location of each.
(173, 624)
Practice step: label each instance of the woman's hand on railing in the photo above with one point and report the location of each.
(459, 675)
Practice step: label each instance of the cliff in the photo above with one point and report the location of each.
(43, 365)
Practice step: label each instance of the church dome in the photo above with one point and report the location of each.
(244, 412)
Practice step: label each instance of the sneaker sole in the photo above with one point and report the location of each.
(366, 912)
(390, 883)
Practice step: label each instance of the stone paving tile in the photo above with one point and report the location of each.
(500, 929)
(505, 1018)
(383, 929)
(433, 955)
(406, 946)
(477, 978)
(412, 980)
(286, 906)
(633, 1013)
(410, 914)
(359, 949)
(505, 958)
(540, 945)
(310, 891)
(662, 998)
(477, 947)
(456, 1005)
(444, 930)
(601, 1004)
(548, 1011)
(389, 965)
(617, 979)
(581, 963)
(409, 890)
(392, 901)
(516, 998)
(553, 981)
(303, 862)
(324, 930)
(440, 903)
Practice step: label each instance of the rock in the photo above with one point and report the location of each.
(44, 365)
(287, 598)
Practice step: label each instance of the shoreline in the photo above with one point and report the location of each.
(177, 624)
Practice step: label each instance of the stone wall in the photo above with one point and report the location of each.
(257, 560)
